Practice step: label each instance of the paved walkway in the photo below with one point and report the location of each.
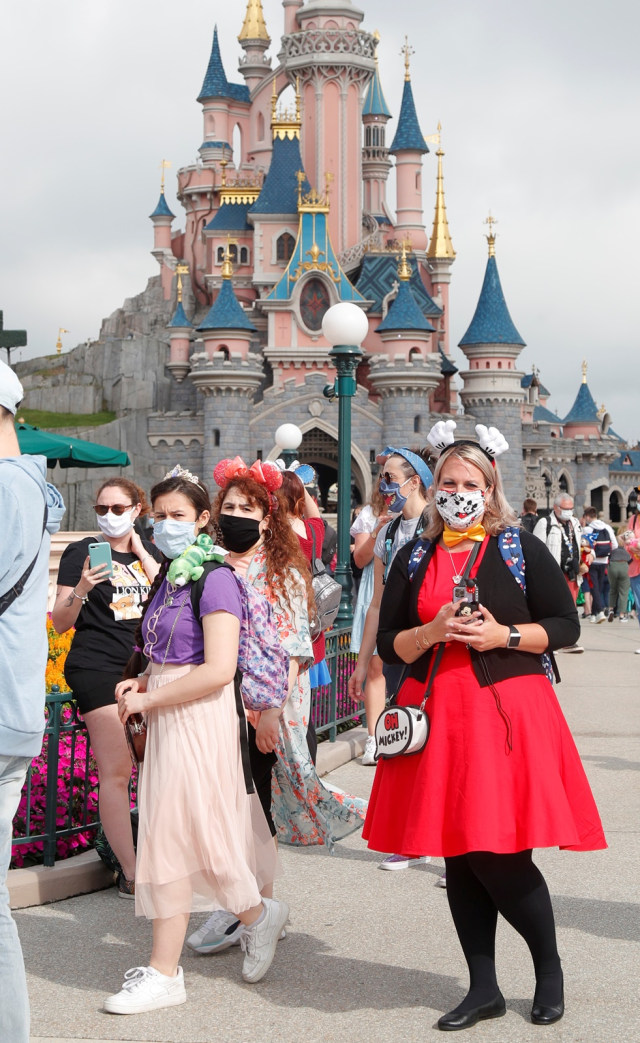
(373, 955)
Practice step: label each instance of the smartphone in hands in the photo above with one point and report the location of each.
(469, 601)
(100, 554)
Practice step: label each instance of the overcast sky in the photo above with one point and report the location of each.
(538, 104)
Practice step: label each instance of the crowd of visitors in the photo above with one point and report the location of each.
(457, 597)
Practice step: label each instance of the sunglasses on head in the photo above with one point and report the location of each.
(115, 508)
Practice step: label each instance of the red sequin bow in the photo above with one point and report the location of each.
(266, 474)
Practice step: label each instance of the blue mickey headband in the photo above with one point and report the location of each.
(416, 462)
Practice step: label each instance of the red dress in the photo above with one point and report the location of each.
(465, 791)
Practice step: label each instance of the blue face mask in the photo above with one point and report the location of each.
(172, 537)
(391, 493)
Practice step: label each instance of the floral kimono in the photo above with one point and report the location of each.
(304, 810)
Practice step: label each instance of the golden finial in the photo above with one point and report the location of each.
(298, 99)
(61, 330)
(223, 175)
(274, 101)
(404, 268)
(254, 26)
(491, 238)
(328, 178)
(584, 371)
(226, 270)
(440, 244)
(407, 51)
(301, 177)
(376, 40)
(181, 269)
(164, 165)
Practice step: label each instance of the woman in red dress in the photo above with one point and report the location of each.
(500, 773)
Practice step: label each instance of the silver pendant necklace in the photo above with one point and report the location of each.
(457, 578)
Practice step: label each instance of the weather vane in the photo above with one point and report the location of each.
(61, 330)
(164, 165)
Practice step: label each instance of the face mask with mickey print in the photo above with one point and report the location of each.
(460, 510)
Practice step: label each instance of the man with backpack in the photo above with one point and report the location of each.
(561, 533)
(605, 542)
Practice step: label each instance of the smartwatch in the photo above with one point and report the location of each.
(514, 637)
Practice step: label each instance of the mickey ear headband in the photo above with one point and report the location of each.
(490, 440)
(416, 462)
(304, 472)
(266, 474)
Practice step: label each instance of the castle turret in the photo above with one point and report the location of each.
(584, 419)
(409, 146)
(179, 331)
(409, 372)
(333, 59)
(493, 391)
(375, 154)
(254, 40)
(162, 218)
(227, 374)
(224, 105)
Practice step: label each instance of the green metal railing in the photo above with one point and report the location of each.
(60, 800)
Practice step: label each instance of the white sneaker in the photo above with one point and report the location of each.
(144, 989)
(637, 652)
(394, 862)
(600, 618)
(442, 880)
(368, 757)
(219, 932)
(259, 941)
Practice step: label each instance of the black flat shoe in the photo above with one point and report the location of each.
(453, 1021)
(541, 1015)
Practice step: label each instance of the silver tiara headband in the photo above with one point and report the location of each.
(181, 472)
(491, 441)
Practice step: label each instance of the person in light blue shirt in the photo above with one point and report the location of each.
(30, 510)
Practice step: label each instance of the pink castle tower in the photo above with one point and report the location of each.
(162, 219)
(409, 146)
(375, 154)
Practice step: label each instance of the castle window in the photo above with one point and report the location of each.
(487, 365)
(285, 246)
(216, 436)
(244, 255)
(367, 136)
(233, 254)
(314, 302)
(416, 424)
(223, 349)
(499, 365)
(563, 484)
(260, 127)
(414, 353)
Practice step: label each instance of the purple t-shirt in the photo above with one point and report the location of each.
(172, 605)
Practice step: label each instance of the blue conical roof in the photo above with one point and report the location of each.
(374, 103)
(408, 135)
(226, 312)
(216, 84)
(491, 323)
(404, 313)
(279, 194)
(584, 410)
(179, 319)
(162, 209)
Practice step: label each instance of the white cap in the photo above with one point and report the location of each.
(11, 390)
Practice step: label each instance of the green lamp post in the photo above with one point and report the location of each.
(288, 438)
(345, 326)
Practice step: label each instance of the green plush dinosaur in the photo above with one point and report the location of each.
(189, 565)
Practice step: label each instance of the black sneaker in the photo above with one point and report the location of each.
(126, 888)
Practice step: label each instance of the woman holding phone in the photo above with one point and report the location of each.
(100, 593)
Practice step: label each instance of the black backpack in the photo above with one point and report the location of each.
(602, 547)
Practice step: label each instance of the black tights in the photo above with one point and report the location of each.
(482, 884)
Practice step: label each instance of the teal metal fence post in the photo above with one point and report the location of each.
(53, 753)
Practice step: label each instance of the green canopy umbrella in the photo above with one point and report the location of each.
(66, 451)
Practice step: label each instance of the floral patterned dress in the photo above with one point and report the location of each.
(304, 810)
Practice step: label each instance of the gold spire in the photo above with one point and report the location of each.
(440, 244)
(59, 340)
(181, 269)
(254, 27)
(407, 51)
(491, 238)
(404, 268)
(226, 271)
(164, 163)
(584, 371)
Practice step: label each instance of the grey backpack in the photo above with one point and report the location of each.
(326, 591)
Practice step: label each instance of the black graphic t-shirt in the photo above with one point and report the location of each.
(107, 622)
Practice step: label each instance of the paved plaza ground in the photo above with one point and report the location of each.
(373, 956)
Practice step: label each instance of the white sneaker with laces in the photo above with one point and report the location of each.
(394, 862)
(368, 757)
(144, 989)
(600, 618)
(219, 932)
(259, 941)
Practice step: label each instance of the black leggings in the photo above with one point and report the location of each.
(482, 884)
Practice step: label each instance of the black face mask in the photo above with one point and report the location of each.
(239, 534)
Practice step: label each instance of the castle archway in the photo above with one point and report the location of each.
(319, 448)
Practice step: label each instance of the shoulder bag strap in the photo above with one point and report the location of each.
(390, 535)
(16, 590)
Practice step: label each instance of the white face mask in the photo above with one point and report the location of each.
(114, 525)
(172, 536)
(565, 515)
(460, 510)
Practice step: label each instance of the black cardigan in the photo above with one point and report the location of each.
(548, 602)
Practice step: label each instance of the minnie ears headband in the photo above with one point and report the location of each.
(490, 440)
(416, 462)
(304, 472)
(265, 474)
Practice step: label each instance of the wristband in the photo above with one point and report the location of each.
(80, 597)
(514, 637)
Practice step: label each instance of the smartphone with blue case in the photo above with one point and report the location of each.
(100, 554)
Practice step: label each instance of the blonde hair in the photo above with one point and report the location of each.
(498, 513)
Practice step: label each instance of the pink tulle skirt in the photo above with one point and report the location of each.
(203, 843)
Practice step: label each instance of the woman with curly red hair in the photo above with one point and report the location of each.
(251, 514)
